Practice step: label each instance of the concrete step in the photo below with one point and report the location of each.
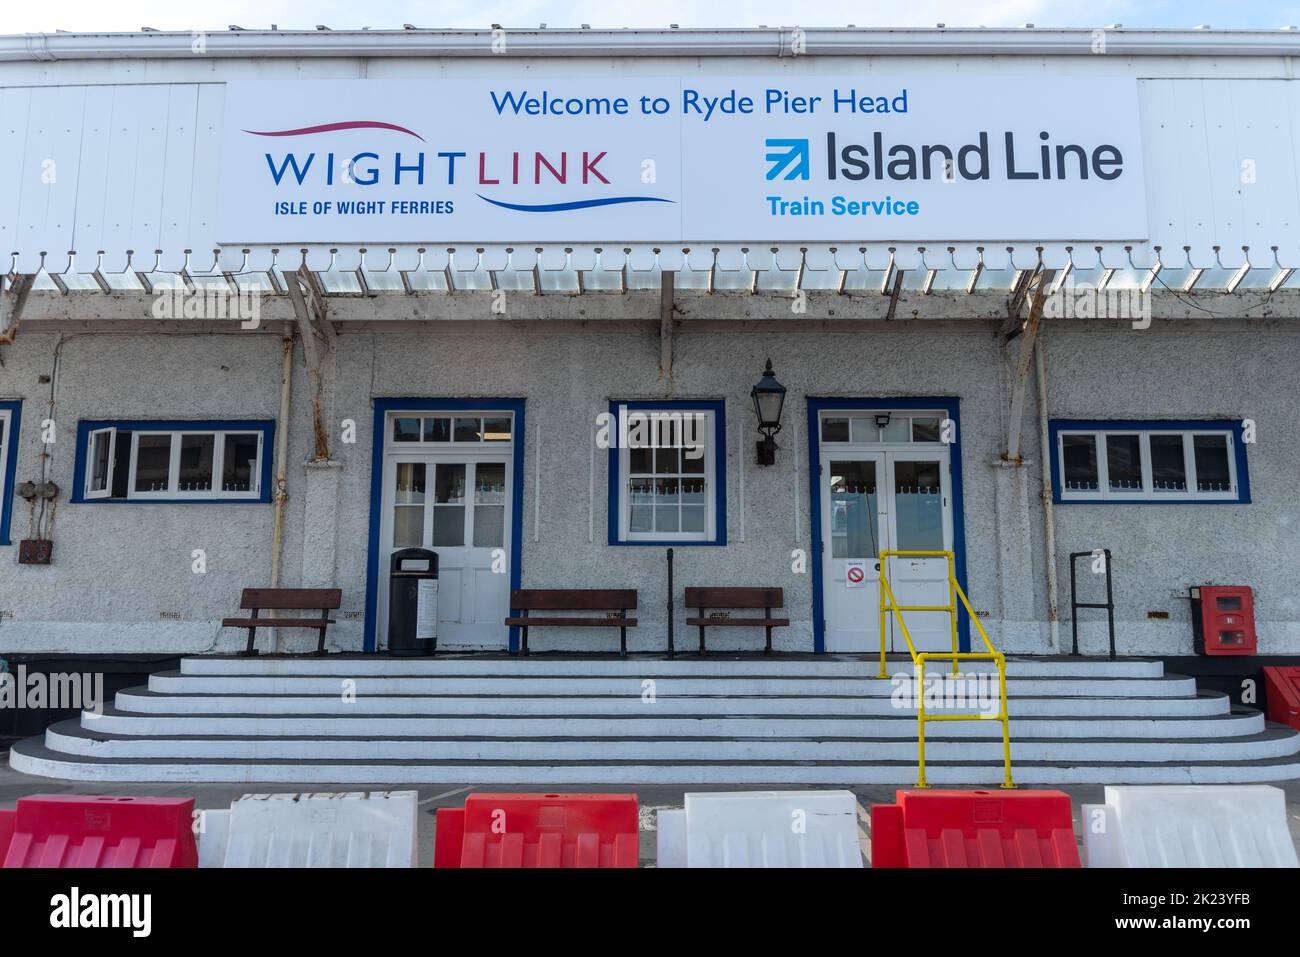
(146, 701)
(114, 721)
(581, 684)
(31, 756)
(637, 665)
(69, 737)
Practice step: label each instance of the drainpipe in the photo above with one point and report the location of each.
(1049, 524)
(282, 453)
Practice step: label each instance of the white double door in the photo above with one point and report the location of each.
(874, 501)
(458, 504)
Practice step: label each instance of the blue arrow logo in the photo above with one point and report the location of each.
(788, 156)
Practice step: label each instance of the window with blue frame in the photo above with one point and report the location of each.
(177, 462)
(1148, 461)
(9, 415)
(667, 473)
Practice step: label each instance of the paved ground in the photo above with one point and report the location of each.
(14, 785)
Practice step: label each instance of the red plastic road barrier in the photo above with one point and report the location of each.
(538, 830)
(974, 829)
(6, 831)
(79, 830)
(1282, 692)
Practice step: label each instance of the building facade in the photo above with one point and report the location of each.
(1011, 397)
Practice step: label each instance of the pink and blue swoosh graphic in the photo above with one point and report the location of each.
(334, 127)
(575, 204)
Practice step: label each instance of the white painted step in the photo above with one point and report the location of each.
(640, 666)
(32, 757)
(140, 700)
(68, 737)
(721, 725)
(578, 684)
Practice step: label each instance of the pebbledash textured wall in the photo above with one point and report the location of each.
(123, 581)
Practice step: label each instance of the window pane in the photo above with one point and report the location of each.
(918, 506)
(1212, 469)
(925, 429)
(666, 461)
(863, 429)
(239, 463)
(496, 430)
(196, 462)
(640, 461)
(899, 429)
(410, 483)
(153, 463)
(855, 510)
(693, 460)
(1124, 463)
(467, 430)
(1168, 467)
(489, 504)
(437, 430)
(835, 430)
(99, 443)
(408, 526)
(449, 504)
(692, 518)
(406, 430)
(1079, 455)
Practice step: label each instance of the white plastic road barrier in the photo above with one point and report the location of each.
(355, 829)
(214, 835)
(1201, 825)
(761, 829)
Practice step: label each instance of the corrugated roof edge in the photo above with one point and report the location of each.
(776, 42)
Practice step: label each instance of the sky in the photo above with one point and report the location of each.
(131, 15)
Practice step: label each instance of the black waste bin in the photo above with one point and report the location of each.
(413, 602)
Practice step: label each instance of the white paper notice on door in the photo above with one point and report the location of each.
(426, 609)
(855, 574)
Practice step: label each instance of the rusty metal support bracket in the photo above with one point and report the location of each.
(1028, 336)
(12, 301)
(312, 357)
(667, 324)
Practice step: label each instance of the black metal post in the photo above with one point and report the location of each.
(671, 613)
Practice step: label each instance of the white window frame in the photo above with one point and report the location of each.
(172, 492)
(710, 532)
(1148, 493)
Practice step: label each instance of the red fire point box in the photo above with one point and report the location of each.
(1223, 620)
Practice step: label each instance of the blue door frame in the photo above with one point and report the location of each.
(382, 408)
(816, 406)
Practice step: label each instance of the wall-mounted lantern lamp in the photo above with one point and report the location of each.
(769, 397)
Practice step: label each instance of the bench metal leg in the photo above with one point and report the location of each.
(250, 651)
(622, 636)
(320, 644)
(702, 633)
(767, 613)
(523, 634)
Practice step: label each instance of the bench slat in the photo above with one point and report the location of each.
(747, 622)
(573, 599)
(735, 598)
(269, 622)
(292, 599)
(531, 622)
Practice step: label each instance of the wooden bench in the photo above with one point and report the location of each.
(286, 599)
(745, 598)
(615, 602)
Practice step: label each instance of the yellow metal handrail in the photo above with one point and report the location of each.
(888, 605)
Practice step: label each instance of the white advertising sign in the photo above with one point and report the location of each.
(426, 609)
(519, 159)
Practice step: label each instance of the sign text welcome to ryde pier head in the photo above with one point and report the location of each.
(852, 159)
